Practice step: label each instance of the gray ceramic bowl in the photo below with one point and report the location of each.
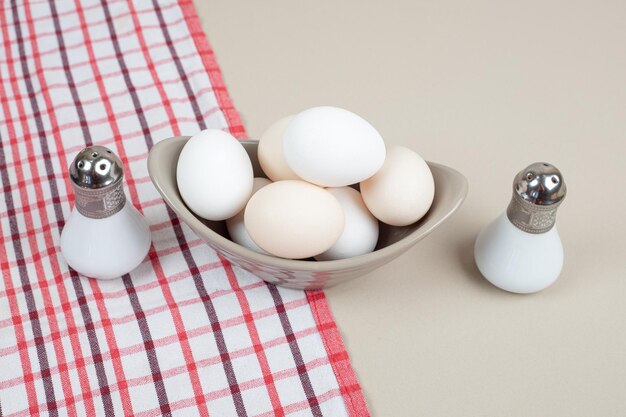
(450, 191)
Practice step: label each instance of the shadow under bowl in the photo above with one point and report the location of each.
(450, 191)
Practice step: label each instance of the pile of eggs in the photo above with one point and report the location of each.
(308, 206)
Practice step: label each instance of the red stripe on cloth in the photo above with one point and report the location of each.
(104, 120)
(256, 341)
(165, 100)
(215, 74)
(34, 94)
(231, 377)
(349, 386)
(175, 314)
(193, 100)
(114, 350)
(18, 323)
(71, 324)
(69, 30)
(149, 312)
(110, 336)
(150, 285)
(303, 405)
(253, 383)
(89, 325)
(228, 339)
(86, 63)
(8, 282)
(348, 383)
(45, 292)
(217, 394)
(86, 8)
(169, 340)
(295, 351)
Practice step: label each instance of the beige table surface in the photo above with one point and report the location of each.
(486, 87)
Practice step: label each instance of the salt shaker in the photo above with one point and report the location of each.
(105, 235)
(521, 251)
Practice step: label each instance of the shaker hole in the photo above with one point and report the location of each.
(94, 154)
(555, 180)
(529, 176)
(103, 167)
(109, 151)
(81, 164)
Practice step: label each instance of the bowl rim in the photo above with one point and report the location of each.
(228, 245)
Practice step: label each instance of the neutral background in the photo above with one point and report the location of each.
(486, 87)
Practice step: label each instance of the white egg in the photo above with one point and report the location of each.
(214, 175)
(294, 219)
(236, 227)
(402, 191)
(360, 233)
(270, 152)
(332, 147)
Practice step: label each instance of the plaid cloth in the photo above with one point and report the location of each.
(184, 334)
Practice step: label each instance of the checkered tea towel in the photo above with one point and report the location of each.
(186, 333)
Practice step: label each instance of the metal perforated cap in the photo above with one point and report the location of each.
(96, 175)
(96, 167)
(538, 190)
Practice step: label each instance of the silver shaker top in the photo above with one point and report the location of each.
(538, 190)
(97, 175)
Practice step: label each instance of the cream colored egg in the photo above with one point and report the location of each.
(270, 152)
(402, 191)
(294, 219)
(237, 229)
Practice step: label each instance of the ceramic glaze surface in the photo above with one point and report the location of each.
(106, 248)
(450, 191)
(518, 261)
